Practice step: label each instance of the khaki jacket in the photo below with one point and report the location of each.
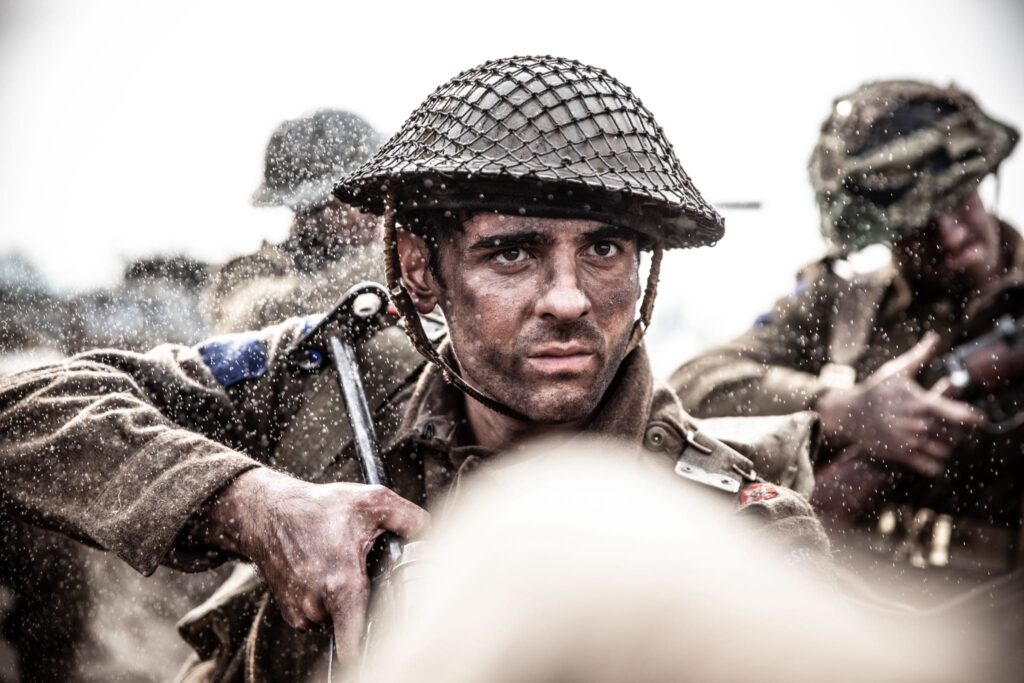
(777, 367)
(774, 367)
(121, 450)
(307, 273)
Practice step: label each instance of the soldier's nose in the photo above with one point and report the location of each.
(563, 298)
(953, 232)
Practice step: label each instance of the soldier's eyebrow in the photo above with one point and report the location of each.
(511, 239)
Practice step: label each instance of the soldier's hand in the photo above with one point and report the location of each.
(311, 541)
(894, 418)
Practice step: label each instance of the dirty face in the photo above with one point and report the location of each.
(539, 310)
(960, 247)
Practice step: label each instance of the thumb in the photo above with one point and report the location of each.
(944, 387)
(915, 358)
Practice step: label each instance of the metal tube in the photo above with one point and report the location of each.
(365, 435)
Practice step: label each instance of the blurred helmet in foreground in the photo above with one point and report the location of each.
(589, 563)
(894, 154)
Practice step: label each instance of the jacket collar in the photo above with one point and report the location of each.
(435, 414)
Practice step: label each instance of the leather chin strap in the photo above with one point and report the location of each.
(414, 327)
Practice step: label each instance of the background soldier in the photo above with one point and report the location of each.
(906, 468)
(70, 613)
(524, 214)
(330, 247)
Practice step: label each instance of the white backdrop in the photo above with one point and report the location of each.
(130, 128)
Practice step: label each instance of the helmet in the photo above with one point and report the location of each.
(894, 154)
(307, 156)
(540, 136)
(534, 136)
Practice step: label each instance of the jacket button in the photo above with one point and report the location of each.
(655, 438)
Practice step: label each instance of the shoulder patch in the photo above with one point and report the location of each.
(233, 358)
(756, 493)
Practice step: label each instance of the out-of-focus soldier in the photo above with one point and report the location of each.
(31, 316)
(71, 613)
(331, 245)
(158, 300)
(43, 593)
(916, 478)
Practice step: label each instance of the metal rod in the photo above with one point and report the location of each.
(359, 415)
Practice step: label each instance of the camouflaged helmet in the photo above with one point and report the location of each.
(306, 157)
(538, 136)
(894, 154)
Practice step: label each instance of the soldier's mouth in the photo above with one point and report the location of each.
(966, 255)
(562, 357)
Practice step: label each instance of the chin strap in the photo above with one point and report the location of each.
(647, 305)
(414, 327)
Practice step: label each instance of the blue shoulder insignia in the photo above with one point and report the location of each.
(233, 358)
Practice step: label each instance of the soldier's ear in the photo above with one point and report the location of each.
(417, 275)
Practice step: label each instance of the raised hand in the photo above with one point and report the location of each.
(893, 418)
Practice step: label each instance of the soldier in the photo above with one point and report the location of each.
(330, 247)
(906, 472)
(518, 198)
(157, 300)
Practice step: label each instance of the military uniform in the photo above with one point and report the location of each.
(136, 444)
(302, 275)
(154, 435)
(892, 156)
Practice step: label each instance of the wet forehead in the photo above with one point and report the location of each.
(488, 226)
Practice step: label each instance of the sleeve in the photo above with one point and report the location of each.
(120, 450)
(788, 519)
(772, 369)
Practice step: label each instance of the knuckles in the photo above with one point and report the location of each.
(376, 496)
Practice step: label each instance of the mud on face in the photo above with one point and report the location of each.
(539, 309)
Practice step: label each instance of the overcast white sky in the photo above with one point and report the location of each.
(129, 128)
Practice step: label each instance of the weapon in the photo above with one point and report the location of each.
(981, 368)
(362, 312)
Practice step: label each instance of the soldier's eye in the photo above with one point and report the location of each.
(604, 249)
(510, 256)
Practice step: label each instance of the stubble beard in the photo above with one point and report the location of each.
(552, 399)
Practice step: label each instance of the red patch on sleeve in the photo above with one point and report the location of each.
(756, 493)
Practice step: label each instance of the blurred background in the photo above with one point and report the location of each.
(136, 130)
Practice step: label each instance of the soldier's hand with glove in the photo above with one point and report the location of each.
(893, 418)
(310, 541)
